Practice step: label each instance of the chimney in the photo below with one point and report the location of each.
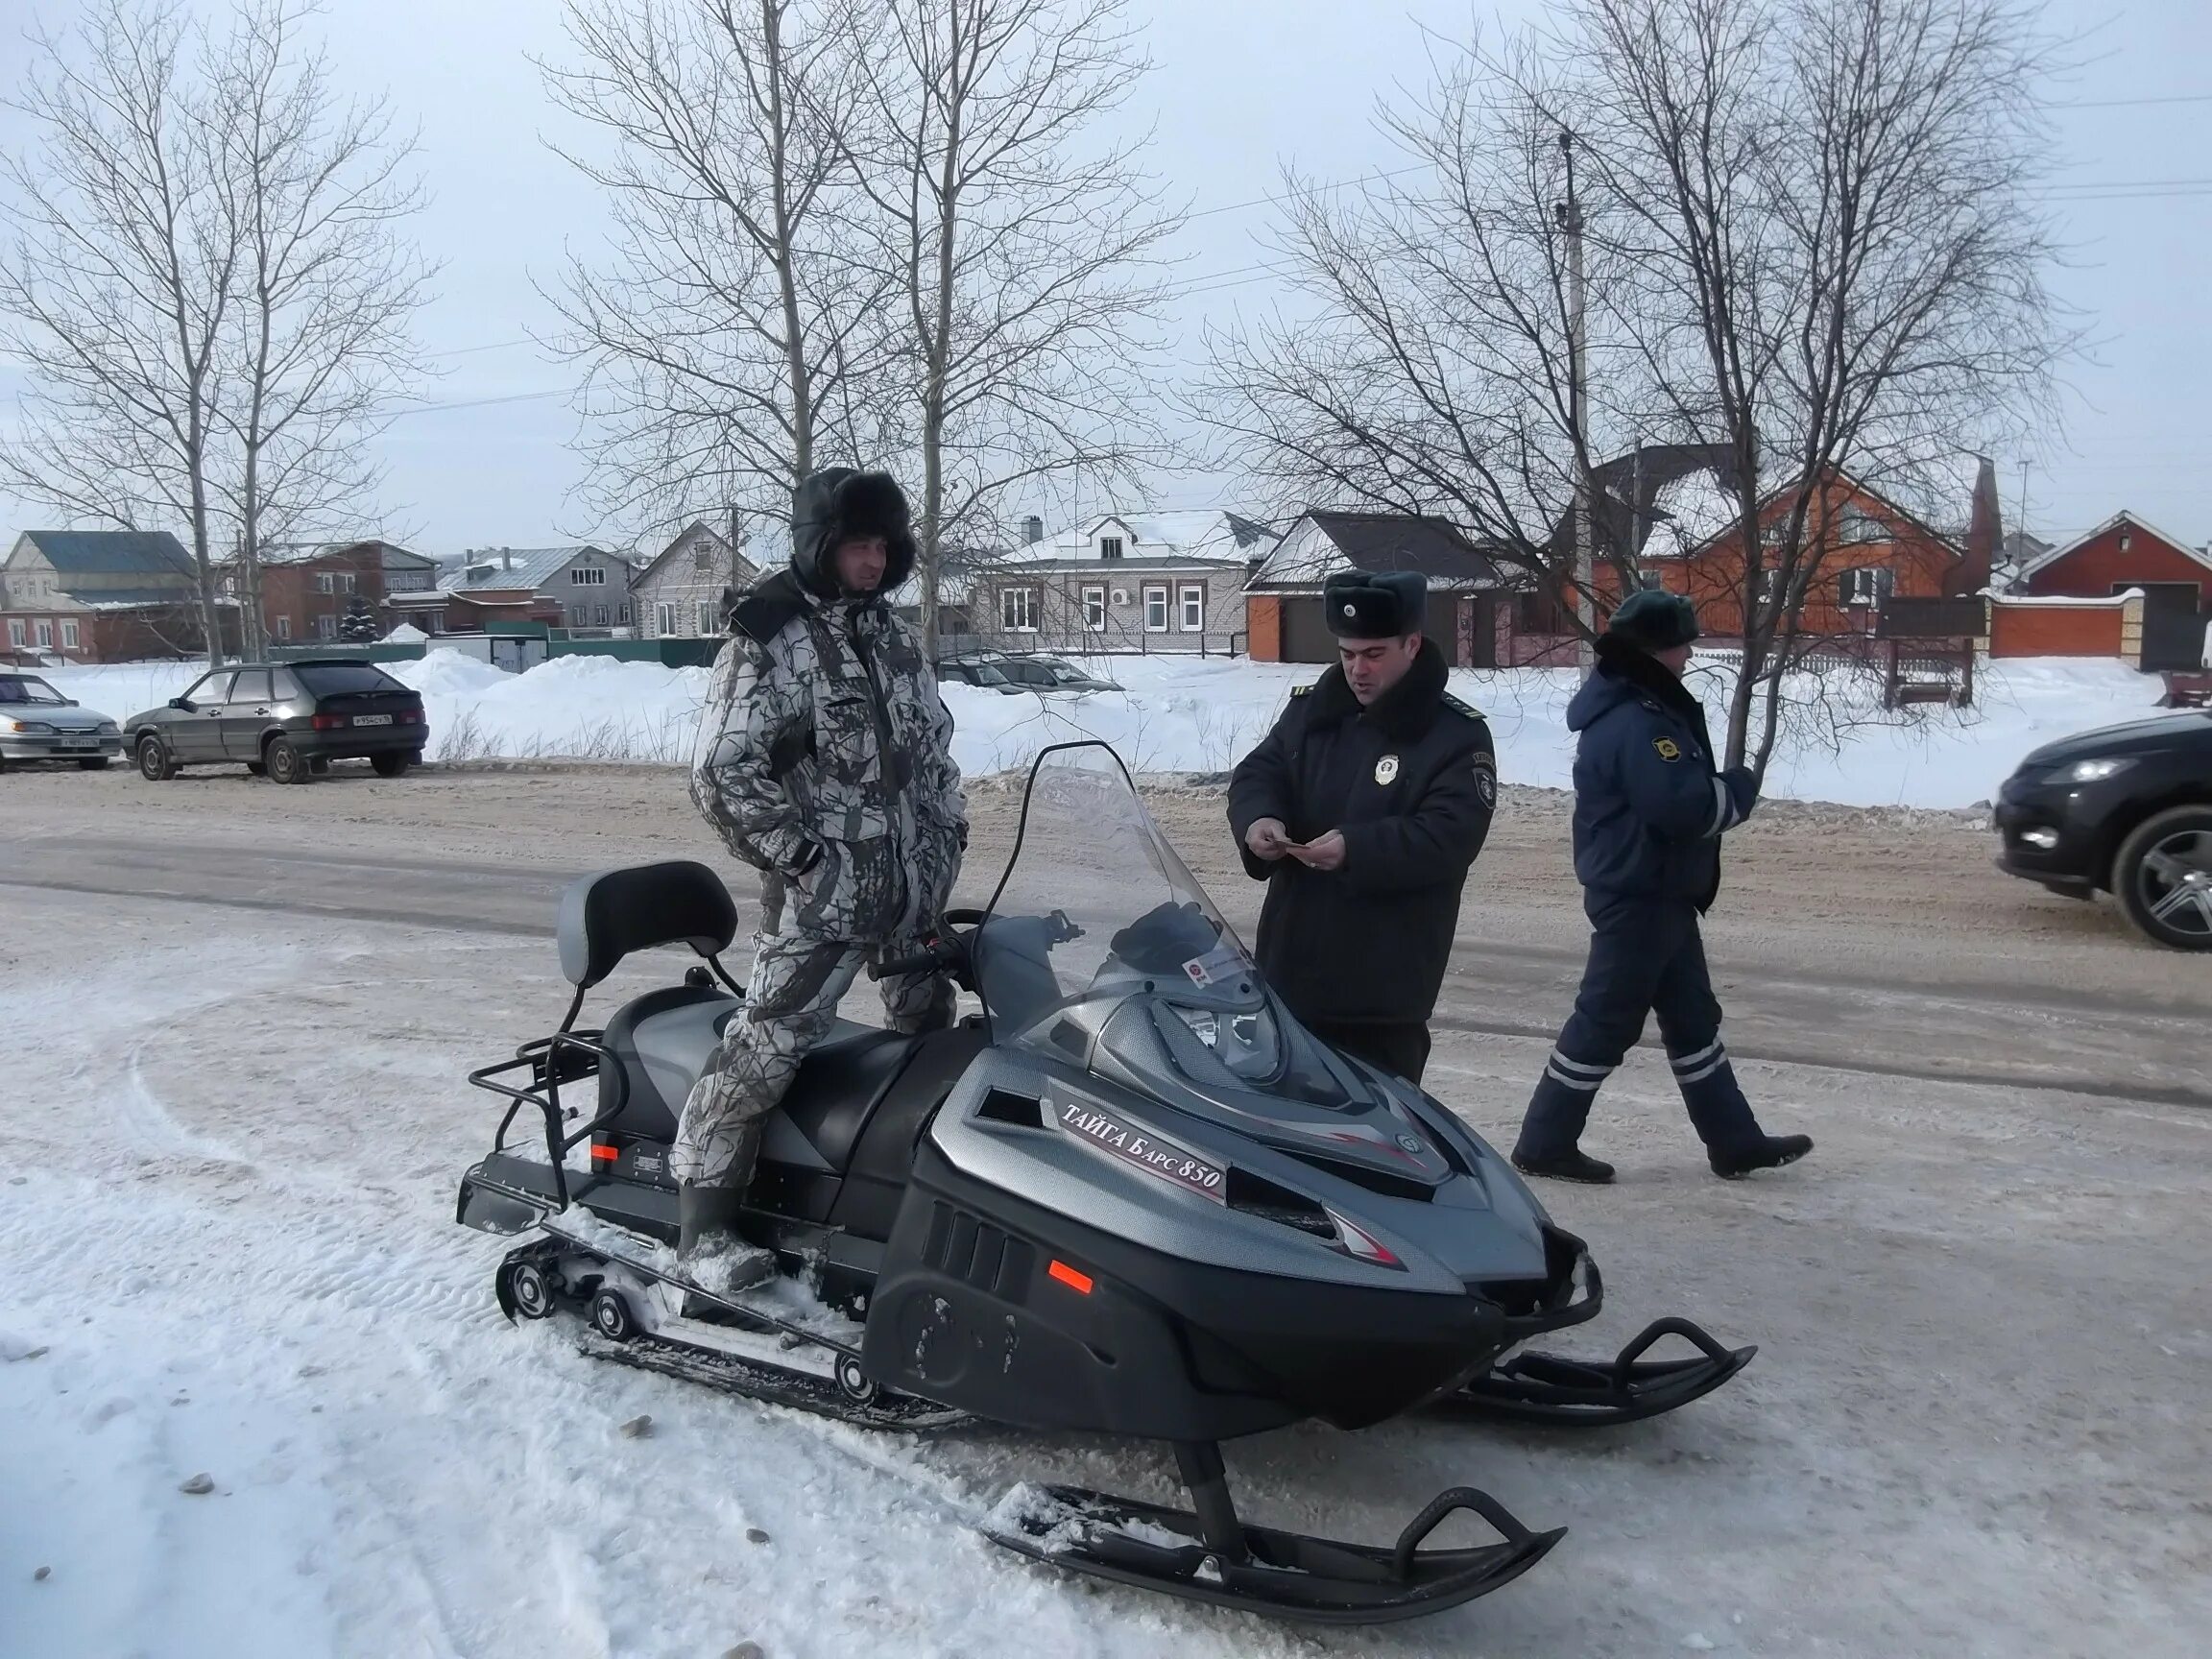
(1985, 535)
(1033, 529)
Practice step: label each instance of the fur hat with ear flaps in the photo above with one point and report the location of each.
(838, 504)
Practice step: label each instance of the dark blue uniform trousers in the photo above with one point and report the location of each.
(1645, 957)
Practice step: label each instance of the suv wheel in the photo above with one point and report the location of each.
(2163, 878)
(153, 762)
(285, 762)
(390, 766)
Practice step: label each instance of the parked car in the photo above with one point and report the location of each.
(976, 671)
(1050, 674)
(2124, 810)
(37, 723)
(286, 721)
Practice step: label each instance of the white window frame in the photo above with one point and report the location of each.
(283, 626)
(1867, 584)
(1188, 598)
(325, 582)
(326, 627)
(704, 615)
(1094, 609)
(1110, 546)
(623, 615)
(344, 581)
(587, 576)
(664, 620)
(599, 615)
(1155, 590)
(1769, 586)
(16, 634)
(71, 638)
(44, 633)
(1018, 601)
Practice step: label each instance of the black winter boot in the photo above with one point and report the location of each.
(1768, 1152)
(708, 1250)
(1567, 1167)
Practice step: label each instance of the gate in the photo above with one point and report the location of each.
(2173, 628)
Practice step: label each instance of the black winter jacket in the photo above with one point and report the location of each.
(1412, 783)
(1650, 800)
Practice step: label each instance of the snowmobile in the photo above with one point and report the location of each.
(1131, 1196)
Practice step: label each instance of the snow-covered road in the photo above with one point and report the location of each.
(227, 1247)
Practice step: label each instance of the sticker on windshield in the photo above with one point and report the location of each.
(1195, 968)
(1135, 1147)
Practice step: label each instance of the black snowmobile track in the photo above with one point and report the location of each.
(770, 1384)
(1552, 1390)
(867, 1404)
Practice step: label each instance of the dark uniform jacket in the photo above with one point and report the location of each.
(1412, 782)
(1650, 800)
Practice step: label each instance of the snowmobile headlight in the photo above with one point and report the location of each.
(1248, 1044)
(2097, 771)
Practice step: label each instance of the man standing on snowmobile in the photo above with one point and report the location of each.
(1362, 811)
(825, 761)
(1650, 807)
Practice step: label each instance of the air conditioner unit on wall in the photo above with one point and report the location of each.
(1120, 595)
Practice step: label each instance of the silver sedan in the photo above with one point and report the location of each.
(37, 723)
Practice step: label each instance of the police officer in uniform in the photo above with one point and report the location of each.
(1362, 811)
(1650, 807)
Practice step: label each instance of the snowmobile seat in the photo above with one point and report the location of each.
(664, 1040)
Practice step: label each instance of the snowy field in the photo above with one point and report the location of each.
(1198, 715)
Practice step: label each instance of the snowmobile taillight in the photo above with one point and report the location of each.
(1075, 1279)
(602, 1153)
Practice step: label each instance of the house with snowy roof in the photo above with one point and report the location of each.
(1125, 581)
(101, 596)
(305, 589)
(577, 587)
(1283, 596)
(2122, 555)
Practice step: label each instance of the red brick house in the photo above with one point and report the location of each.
(1687, 541)
(100, 597)
(305, 589)
(2124, 553)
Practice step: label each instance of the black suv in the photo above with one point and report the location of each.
(2126, 810)
(286, 721)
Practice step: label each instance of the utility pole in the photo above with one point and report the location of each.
(1569, 215)
(2020, 526)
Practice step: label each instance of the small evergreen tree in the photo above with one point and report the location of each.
(358, 626)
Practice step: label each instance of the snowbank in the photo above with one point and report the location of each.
(1200, 714)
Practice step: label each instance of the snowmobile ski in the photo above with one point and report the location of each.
(1211, 1555)
(1554, 1390)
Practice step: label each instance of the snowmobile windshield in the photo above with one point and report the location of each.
(1102, 947)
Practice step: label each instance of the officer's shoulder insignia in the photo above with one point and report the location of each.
(1458, 707)
(1668, 749)
(1300, 690)
(1486, 780)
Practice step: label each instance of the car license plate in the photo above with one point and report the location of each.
(80, 742)
(371, 719)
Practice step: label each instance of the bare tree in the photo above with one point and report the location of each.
(1835, 265)
(734, 340)
(1426, 366)
(1023, 248)
(326, 286)
(120, 281)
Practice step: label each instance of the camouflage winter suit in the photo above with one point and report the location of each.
(825, 761)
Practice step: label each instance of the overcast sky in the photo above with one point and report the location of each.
(1242, 87)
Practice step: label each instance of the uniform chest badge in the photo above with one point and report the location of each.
(1386, 769)
(1668, 749)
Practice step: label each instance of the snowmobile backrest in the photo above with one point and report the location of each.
(606, 917)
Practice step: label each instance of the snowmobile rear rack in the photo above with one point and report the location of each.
(1209, 1554)
(1553, 1390)
(566, 1056)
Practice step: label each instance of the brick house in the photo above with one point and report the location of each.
(678, 594)
(306, 588)
(1160, 583)
(100, 597)
(2125, 553)
(1283, 596)
(1685, 538)
(582, 588)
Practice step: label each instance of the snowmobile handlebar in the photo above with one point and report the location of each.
(947, 951)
